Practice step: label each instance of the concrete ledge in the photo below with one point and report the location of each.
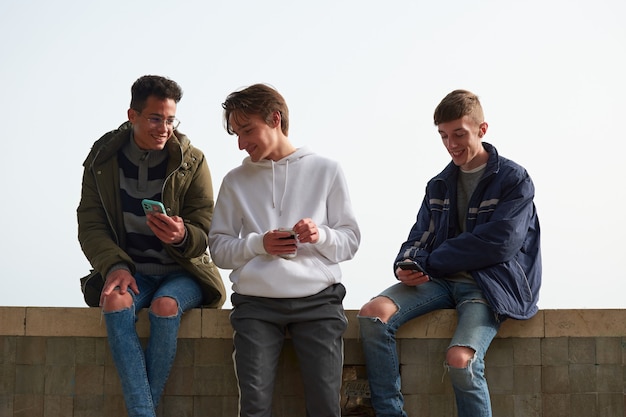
(560, 363)
(210, 323)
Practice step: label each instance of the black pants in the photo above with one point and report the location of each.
(316, 325)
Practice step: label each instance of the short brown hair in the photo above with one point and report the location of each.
(258, 99)
(457, 104)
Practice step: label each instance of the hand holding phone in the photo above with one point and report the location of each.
(292, 233)
(292, 236)
(411, 266)
(152, 206)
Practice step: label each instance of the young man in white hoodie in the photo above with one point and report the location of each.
(282, 223)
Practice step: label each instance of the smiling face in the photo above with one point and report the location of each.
(260, 139)
(462, 138)
(153, 126)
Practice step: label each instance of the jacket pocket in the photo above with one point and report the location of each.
(91, 286)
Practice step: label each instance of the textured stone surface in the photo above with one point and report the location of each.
(561, 363)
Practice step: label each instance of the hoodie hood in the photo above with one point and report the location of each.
(280, 173)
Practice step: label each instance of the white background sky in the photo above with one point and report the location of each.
(362, 79)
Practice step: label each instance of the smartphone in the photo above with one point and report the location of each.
(410, 265)
(152, 206)
(292, 234)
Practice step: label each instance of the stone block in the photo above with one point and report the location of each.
(6, 405)
(527, 351)
(352, 352)
(582, 350)
(60, 351)
(12, 321)
(62, 321)
(414, 351)
(90, 350)
(29, 379)
(28, 405)
(7, 379)
(214, 380)
(215, 406)
(533, 327)
(555, 379)
(93, 406)
(500, 353)
(8, 348)
(352, 331)
(583, 378)
(177, 405)
(180, 381)
(502, 405)
(584, 405)
(215, 324)
(59, 380)
(438, 324)
(191, 324)
(585, 323)
(610, 378)
(611, 404)
(609, 350)
(213, 352)
(58, 405)
(185, 353)
(501, 379)
(527, 380)
(89, 380)
(555, 351)
(556, 405)
(527, 405)
(114, 406)
(30, 351)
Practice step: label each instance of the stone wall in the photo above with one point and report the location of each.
(55, 362)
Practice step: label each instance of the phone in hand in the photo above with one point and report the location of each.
(152, 206)
(411, 266)
(292, 233)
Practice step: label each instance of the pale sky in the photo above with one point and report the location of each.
(361, 79)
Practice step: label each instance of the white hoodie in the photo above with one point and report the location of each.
(257, 197)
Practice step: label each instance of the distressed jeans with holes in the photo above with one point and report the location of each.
(143, 374)
(477, 326)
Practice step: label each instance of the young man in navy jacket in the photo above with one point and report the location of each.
(475, 247)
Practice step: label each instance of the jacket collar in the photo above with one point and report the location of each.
(493, 165)
(110, 143)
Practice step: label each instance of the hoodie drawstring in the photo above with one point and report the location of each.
(280, 209)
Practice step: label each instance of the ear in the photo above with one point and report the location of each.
(482, 129)
(132, 115)
(276, 117)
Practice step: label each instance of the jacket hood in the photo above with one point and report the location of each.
(108, 145)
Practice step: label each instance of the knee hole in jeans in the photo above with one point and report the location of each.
(164, 307)
(380, 307)
(116, 301)
(459, 356)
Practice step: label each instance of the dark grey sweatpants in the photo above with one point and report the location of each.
(316, 325)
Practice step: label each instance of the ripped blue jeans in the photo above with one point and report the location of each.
(143, 374)
(477, 326)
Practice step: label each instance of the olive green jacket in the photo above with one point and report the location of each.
(187, 192)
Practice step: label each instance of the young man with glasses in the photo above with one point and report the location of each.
(148, 259)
